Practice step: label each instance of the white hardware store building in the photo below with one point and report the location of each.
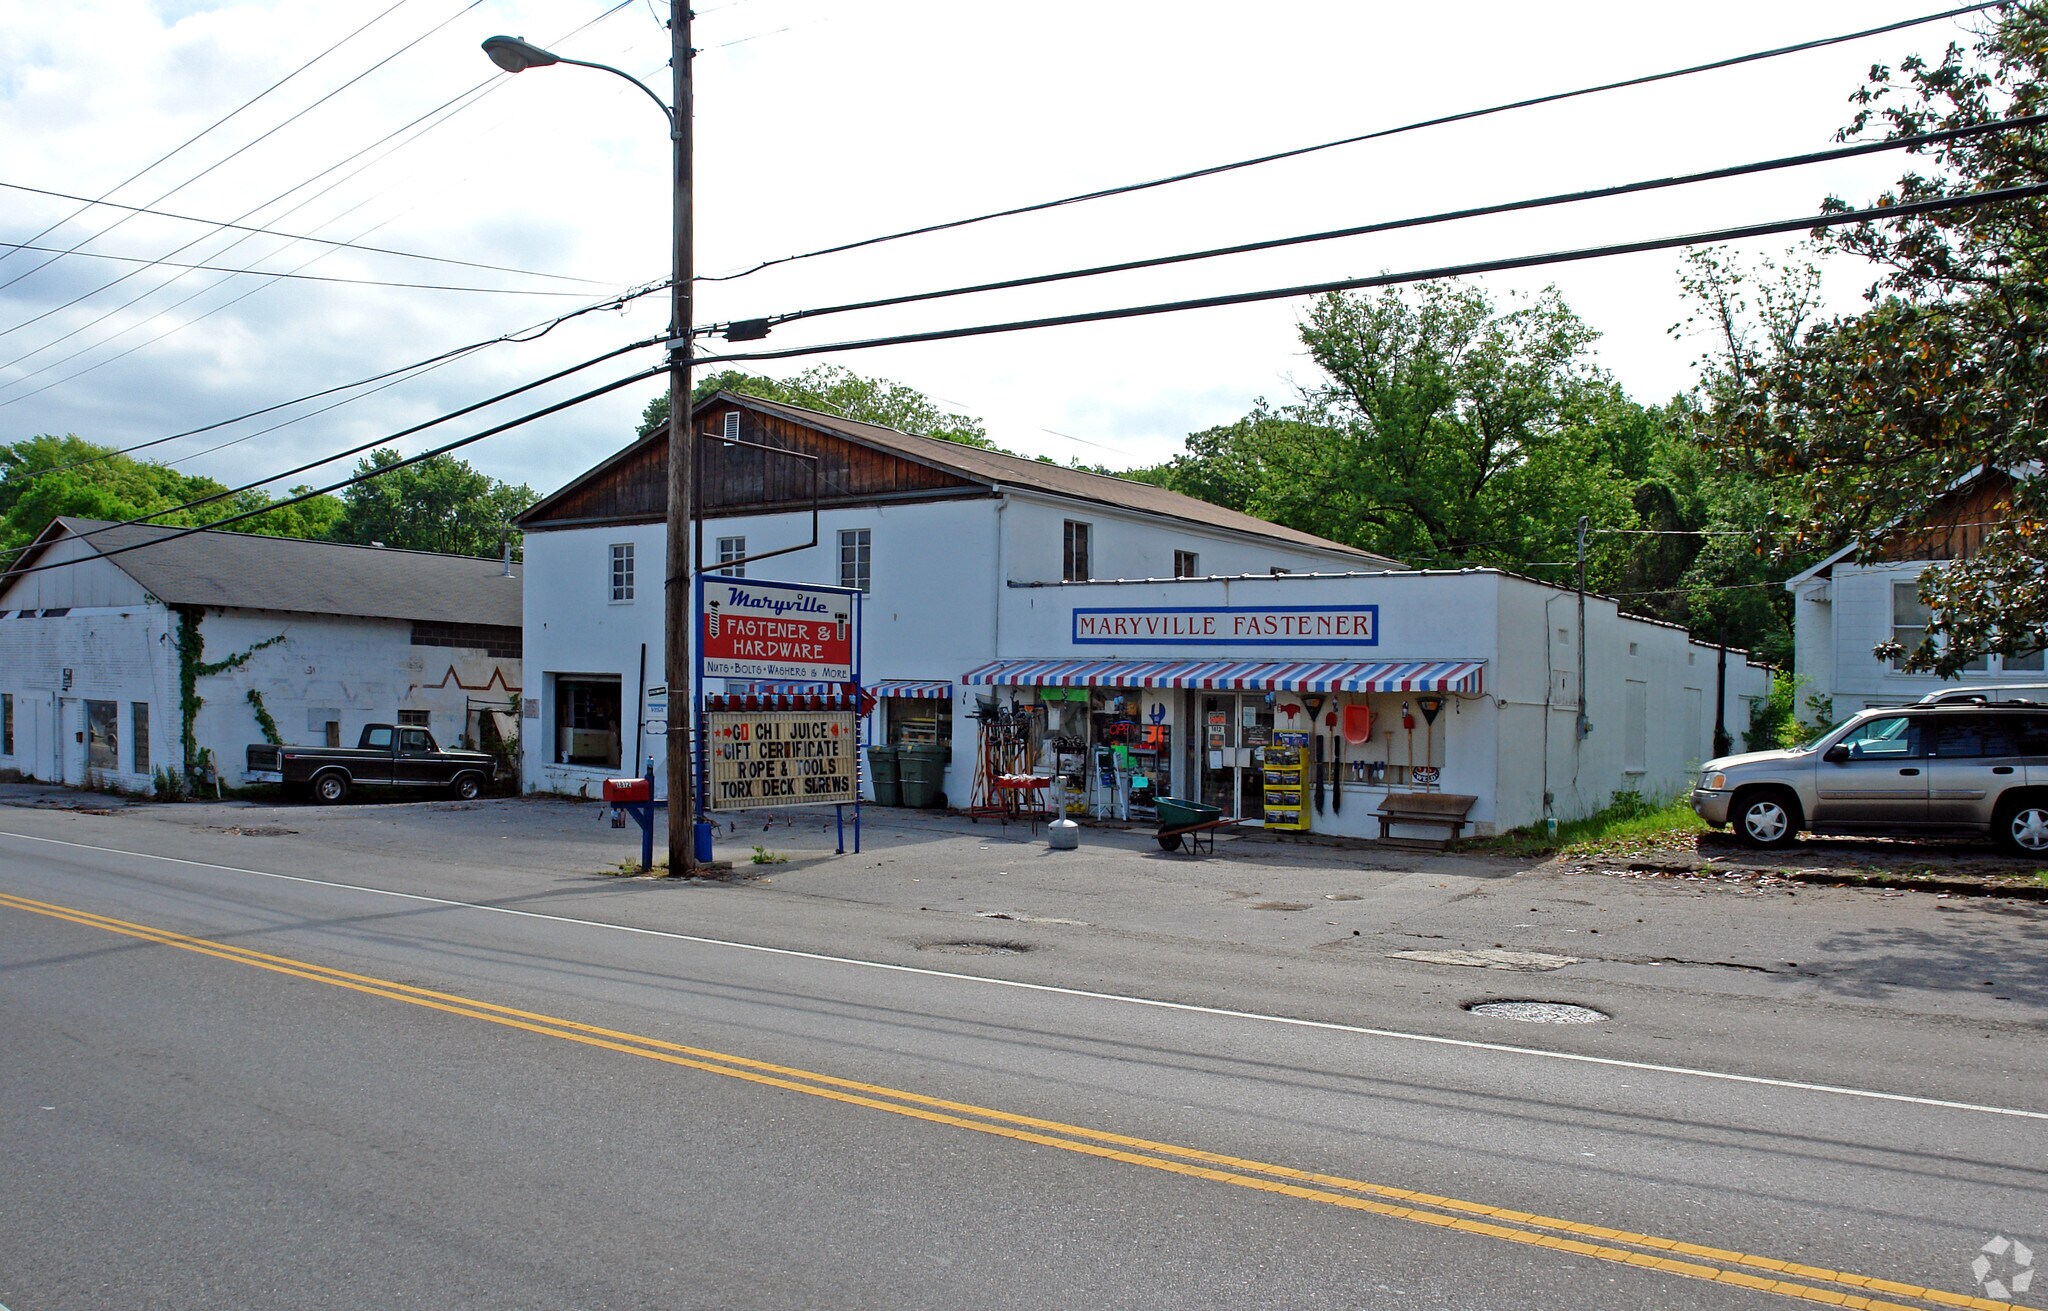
(1166, 638)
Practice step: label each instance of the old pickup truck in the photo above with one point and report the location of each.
(387, 755)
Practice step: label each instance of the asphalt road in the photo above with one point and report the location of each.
(282, 1077)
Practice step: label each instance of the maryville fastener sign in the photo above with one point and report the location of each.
(1246, 626)
(781, 758)
(776, 630)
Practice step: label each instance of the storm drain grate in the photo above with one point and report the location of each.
(1539, 1012)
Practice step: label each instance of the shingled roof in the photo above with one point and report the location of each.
(995, 470)
(252, 572)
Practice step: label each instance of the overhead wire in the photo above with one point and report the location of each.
(1426, 220)
(385, 439)
(173, 534)
(1440, 120)
(275, 274)
(403, 373)
(1776, 227)
(439, 115)
(218, 225)
(193, 139)
(238, 151)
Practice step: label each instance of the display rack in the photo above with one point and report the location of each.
(1286, 795)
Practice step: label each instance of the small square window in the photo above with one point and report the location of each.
(622, 571)
(855, 545)
(730, 549)
(416, 718)
(1075, 565)
(1186, 564)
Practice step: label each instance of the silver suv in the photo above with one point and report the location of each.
(1904, 770)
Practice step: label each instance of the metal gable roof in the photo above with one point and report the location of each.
(252, 572)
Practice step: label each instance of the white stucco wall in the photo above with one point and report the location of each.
(356, 671)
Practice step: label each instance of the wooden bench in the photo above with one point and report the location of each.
(1442, 809)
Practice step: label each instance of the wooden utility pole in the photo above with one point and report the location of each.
(678, 592)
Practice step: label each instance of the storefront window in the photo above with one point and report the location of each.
(587, 721)
(102, 735)
(920, 723)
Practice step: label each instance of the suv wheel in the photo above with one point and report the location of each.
(330, 788)
(1766, 818)
(468, 787)
(2023, 827)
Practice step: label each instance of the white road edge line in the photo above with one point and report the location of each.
(1469, 1044)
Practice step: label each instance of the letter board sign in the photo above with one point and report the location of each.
(782, 758)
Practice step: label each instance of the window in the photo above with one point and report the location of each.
(2028, 662)
(377, 737)
(138, 734)
(587, 721)
(416, 718)
(1075, 564)
(854, 546)
(415, 741)
(731, 549)
(1893, 737)
(622, 571)
(1186, 565)
(1972, 737)
(102, 736)
(731, 431)
(6, 723)
(1910, 621)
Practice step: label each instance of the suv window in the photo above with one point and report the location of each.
(1967, 737)
(2033, 735)
(1894, 736)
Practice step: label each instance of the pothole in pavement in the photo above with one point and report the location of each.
(977, 947)
(1538, 1012)
(1279, 905)
(254, 830)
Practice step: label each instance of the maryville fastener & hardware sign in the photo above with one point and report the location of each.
(776, 630)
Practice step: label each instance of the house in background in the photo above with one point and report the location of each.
(1844, 607)
(121, 644)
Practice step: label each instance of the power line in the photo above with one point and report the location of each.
(88, 204)
(1426, 220)
(347, 482)
(446, 110)
(525, 334)
(218, 225)
(216, 164)
(274, 274)
(1440, 121)
(1970, 200)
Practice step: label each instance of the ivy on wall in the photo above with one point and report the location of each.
(192, 668)
(263, 719)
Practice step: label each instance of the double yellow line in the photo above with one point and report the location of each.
(1596, 1242)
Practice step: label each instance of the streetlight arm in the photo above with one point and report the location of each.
(516, 56)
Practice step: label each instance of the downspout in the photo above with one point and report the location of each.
(1002, 576)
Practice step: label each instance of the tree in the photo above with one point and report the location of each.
(44, 477)
(831, 389)
(438, 504)
(1444, 431)
(1880, 414)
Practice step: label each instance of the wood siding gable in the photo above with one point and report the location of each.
(632, 487)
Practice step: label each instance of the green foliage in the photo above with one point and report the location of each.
(44, 477)
(1629, 822)
(1774, 721)
(832, 389)
(190, 647)
(1878, 414)
(439, 504)
(168, 783)
(763, 856)
(263, 719)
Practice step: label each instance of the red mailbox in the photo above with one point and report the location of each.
(628, 789)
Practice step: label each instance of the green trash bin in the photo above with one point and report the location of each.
(924, 775)
(884, 767)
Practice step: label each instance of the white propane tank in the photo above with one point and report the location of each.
(1062, 834)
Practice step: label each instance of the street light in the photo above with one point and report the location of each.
(515, 55)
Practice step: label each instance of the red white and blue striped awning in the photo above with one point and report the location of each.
(917, 689)
(1467, 676)
(778, 701)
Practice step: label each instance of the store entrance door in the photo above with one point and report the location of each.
(1235, 729)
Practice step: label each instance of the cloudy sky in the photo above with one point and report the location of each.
(820, 122)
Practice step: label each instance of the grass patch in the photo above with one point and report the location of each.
(1628, 823)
